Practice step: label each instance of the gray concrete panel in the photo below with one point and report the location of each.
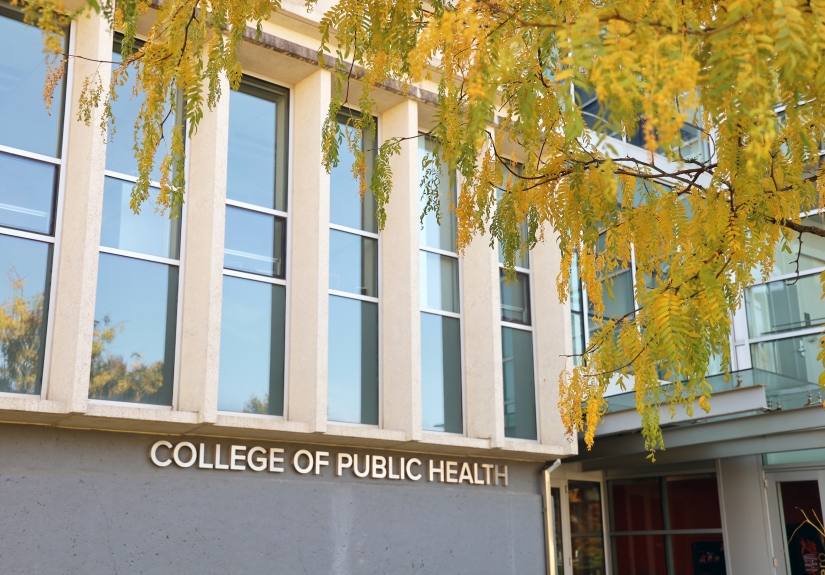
(92, 502)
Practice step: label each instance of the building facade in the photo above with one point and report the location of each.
(731, 490)
(266, 383)
(269, 384)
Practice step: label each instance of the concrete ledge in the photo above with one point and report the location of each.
(260, 423)
(366, 432)
(32, 409)
(453, 440)
(539, 449)
(159, 421)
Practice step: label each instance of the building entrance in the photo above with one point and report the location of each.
(799, 548)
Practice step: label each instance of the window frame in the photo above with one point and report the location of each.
(58, 198)
(523, 327)
(459, 316)
(353, 111)
(741, 341)
(179, 263)
(666, 532)
(287, 91)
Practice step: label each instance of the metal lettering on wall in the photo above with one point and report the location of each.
(242, 458)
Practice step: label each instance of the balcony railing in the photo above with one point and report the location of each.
(781, 392)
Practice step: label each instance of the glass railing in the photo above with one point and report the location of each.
(782, 392)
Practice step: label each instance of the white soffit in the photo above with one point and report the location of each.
(723, 403)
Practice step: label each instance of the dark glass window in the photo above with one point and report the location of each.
(667, 525)
(637, 505)
(798, 500)
(640, 554)
(682, 495)
(441, 373)
(586, 536)
(515, 299)
(558, 543)
(519, 390)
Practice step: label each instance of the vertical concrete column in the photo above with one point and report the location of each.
(400, 291)
(484, 386)
(309, 272)
(744, 517)
(78, 232)
(203, 262)
(551, 331)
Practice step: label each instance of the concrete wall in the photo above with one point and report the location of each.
(92, 502)
(742, 495)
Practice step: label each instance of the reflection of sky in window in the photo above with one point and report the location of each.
(253, 242)
(251, 158)
(23, 259)
(26, 193)
(135, 295)
(26, 123)
(346, 207)
(439, 282)
(120, 153)
(246, 341)
(441, 396)
(345, 359)
(353, 263)
(432, 234)
(148, 232)
(432, 372)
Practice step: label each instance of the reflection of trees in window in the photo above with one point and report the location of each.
(21, 338)
(257, 405)
(112, 377)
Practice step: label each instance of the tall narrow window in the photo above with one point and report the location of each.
(440, 311)
(586, 534)
(517, 348)
(352, 378)
(30, 164)
(253, 321)
(577, 312)
(133, 351)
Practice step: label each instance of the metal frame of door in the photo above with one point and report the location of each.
(775, 516)
(567, 540)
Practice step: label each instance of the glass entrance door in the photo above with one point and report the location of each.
(799, 549)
